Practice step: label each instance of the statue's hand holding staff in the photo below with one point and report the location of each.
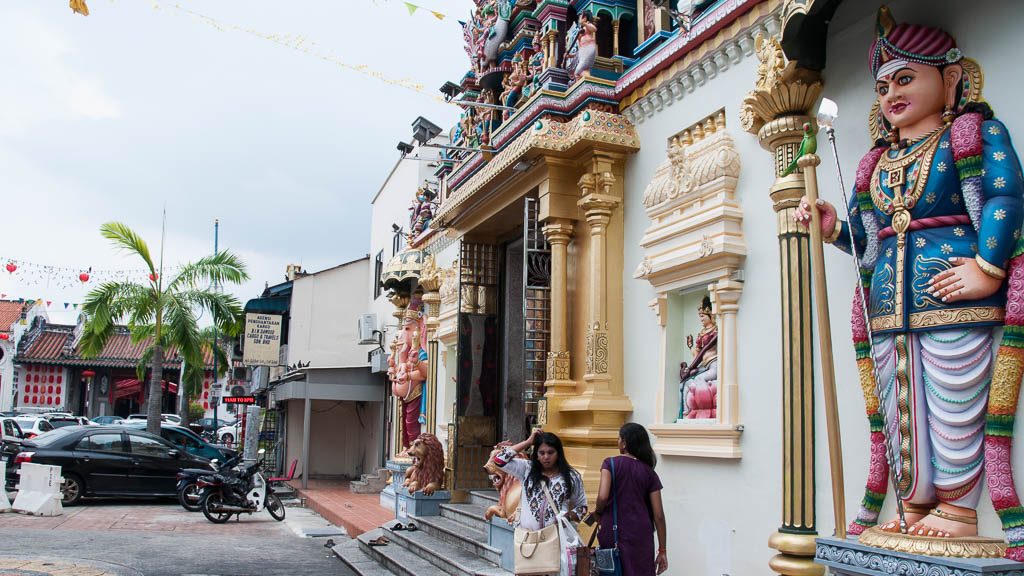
(825, 208)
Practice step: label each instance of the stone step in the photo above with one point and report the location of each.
(470, 515)
(351, 554)
(449, 558)
(371, 486)
(454, 532)
(399, 560)
(485, 498)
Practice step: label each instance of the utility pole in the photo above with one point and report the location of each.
(216, 337)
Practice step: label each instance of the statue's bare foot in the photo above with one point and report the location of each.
(912, 513)
(947, 521)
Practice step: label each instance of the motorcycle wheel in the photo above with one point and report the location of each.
(211, 502)
(275, 507)
(191, 497)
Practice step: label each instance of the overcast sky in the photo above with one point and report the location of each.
(140, 106)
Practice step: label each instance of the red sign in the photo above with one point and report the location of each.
(239, 399)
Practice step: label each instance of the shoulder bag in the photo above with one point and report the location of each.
(538, 551)
(607, 559)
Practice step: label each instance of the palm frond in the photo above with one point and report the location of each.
(144, 364)
(104, 306)
(225, 308)
(126, 239)
(222, 267)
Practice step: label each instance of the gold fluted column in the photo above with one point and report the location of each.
(775, 111)
(430, 280)
(598, 209)
(559, 383)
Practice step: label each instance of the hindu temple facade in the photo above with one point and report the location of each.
(617, 243)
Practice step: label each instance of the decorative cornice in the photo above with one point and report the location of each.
(704, 62)
(594, 128)
(701, 154)
(849, 557)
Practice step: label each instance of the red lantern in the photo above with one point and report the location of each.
(83, 277)
(58, 389)
(85, 374)
(11, 267)
(5, 336)
(153, 277)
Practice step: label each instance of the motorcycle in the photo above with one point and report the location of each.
(189, 493)
(244, 491)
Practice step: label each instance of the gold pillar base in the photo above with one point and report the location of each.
(796, 557)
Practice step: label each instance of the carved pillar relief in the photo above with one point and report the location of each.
(775, 111)
(558, 232)
(598, 203)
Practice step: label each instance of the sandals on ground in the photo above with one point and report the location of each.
(379, 541)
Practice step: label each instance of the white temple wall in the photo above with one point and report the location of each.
(721, 512)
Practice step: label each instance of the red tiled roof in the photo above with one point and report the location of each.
(10, 312)
(49, 345)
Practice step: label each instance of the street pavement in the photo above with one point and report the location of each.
(126, 538)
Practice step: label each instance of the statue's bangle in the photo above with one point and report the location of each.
(834, 234)
(989, 268)
(954, 517)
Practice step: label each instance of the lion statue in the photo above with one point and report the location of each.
(510, 490)
(427, 471)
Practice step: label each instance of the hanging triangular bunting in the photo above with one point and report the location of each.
(412, 8)
(48, 302)
(66, 305)
(437, 15)
(75, 306)
(39, 301)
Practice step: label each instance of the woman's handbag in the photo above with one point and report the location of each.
(607, 560)
(538, 551)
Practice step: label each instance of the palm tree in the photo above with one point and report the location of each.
(163, 314)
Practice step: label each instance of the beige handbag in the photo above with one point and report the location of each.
(538, 551)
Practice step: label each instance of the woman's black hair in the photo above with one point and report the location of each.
(638, 443)
(537, 470)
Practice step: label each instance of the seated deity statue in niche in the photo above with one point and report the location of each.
(698, 380)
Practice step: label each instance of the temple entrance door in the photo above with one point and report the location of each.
(478, 378)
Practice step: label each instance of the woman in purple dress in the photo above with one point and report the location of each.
(637, 494)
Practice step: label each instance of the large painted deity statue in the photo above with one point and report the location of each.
(935, 223)
(408, 367)
(698, 380)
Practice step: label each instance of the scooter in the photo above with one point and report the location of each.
(243, 492)
(189, 494)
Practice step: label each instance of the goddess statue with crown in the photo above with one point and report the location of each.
(698, 380)
(935, 223)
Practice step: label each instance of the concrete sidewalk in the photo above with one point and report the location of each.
(356, 513)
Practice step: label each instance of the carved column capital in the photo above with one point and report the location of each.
(558, 231)
(727, 296)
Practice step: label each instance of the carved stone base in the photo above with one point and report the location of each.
(419, 504)
(849, 558)
(976, 547)
(397, 468)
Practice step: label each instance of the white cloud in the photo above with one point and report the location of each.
(47, 88)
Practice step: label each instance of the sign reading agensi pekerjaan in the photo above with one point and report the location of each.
(262, 339)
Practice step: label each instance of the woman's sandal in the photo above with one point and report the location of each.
(378, 541)
(410, 527)
(398, 526)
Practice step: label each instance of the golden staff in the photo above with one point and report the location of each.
(809, 162)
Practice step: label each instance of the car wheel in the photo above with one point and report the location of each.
(190, 497)
(72, 490)
(275, 507)
(227, 439)
(211, 503)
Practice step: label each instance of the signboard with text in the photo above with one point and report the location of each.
(262, 339)
(239, 399)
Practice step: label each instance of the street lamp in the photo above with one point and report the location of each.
(450, 90)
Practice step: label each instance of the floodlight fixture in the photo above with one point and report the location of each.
(404, 148)
(450, 90)
(424, 130)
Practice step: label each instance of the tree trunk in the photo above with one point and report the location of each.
(154, 400)
(183, 405)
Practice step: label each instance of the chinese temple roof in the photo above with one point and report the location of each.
(53, 344)
(10, 312)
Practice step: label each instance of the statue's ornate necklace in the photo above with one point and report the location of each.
(896, 176)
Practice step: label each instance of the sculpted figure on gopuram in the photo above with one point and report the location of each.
(935, 224)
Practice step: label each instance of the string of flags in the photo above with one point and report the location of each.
(49, 276)
(297, 42)
(412, 8)
(40, 302)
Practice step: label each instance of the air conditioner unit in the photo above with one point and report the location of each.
(367, 327)
(378, 361)
(238, 390)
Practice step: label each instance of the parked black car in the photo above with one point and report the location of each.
(184, 438)
(209, 424)
(108, 461)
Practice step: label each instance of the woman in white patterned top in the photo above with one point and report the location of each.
(546, 467)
